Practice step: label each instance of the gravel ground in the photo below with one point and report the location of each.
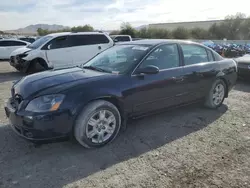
(188, 147)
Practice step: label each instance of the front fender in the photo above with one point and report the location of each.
(87, 97)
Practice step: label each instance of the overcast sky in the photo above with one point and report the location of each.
(109, 14)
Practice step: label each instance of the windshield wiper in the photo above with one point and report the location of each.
(95, 68)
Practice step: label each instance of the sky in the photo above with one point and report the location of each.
(109, 14)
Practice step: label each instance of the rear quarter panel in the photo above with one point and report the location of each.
(228, 72)
(202, 76)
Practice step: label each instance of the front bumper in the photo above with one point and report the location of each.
(19, 63)
(39, 127)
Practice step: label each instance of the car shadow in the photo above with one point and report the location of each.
(242, 85)
(10, 76)
(27, 165)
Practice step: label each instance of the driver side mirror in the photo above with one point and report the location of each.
(115, 40)
(49, 46)
(150, 69)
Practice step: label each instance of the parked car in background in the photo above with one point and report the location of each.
(92, 102)
(134, 39)
(60, 50)
(121, 38)
(243, 64)
(28, 39)
(7, 46)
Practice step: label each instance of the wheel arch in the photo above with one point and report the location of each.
(110, 98)
(42, 62)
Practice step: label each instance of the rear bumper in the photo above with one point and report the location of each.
(40, 127)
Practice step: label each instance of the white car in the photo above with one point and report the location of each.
(7, 46)
(60, 50)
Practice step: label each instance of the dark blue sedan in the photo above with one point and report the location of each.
(93, 101)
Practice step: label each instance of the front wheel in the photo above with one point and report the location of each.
(98, 124)
(216, 94)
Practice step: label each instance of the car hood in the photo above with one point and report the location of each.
(20, 51)
(33, 84)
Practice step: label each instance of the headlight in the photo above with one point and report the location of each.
(45, 103)
(23, 55)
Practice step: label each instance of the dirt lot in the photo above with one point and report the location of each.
(188, 147)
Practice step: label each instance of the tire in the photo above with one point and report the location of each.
(88, 133)
(215, 102)
(32, 68)
(36, 66)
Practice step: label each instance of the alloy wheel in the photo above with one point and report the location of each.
(218, 94)
(101, 126)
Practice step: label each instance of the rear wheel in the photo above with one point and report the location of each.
(216, 94)
(98, 124)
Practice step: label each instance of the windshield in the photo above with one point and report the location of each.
(39, 42)
(118, 59)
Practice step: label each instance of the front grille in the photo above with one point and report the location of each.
(12, 92)
(16, 99)
(12, 59)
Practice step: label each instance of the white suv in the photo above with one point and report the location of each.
(60, 50)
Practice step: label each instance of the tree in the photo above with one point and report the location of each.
(231, 28)
(180, 33)
(245, 29)
(199, 33)
(233, 25)
(159, 33)
(143, 33)
(84, 28)
(42, 32)
(216, 32)
(127, 29)
(115, 32)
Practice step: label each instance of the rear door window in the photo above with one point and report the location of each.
(210, 55)
(194, 54)
(82, 40)
(16, 43)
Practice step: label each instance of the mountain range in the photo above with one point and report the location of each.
(32, 29)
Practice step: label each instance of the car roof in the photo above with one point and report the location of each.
(14, 40)
(75, 33)
(154, 42)
(120, 35)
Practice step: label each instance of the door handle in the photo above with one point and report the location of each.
(198, 74)
(99, 47)
(178, 79)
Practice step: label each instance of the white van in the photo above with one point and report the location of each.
(60, 50)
